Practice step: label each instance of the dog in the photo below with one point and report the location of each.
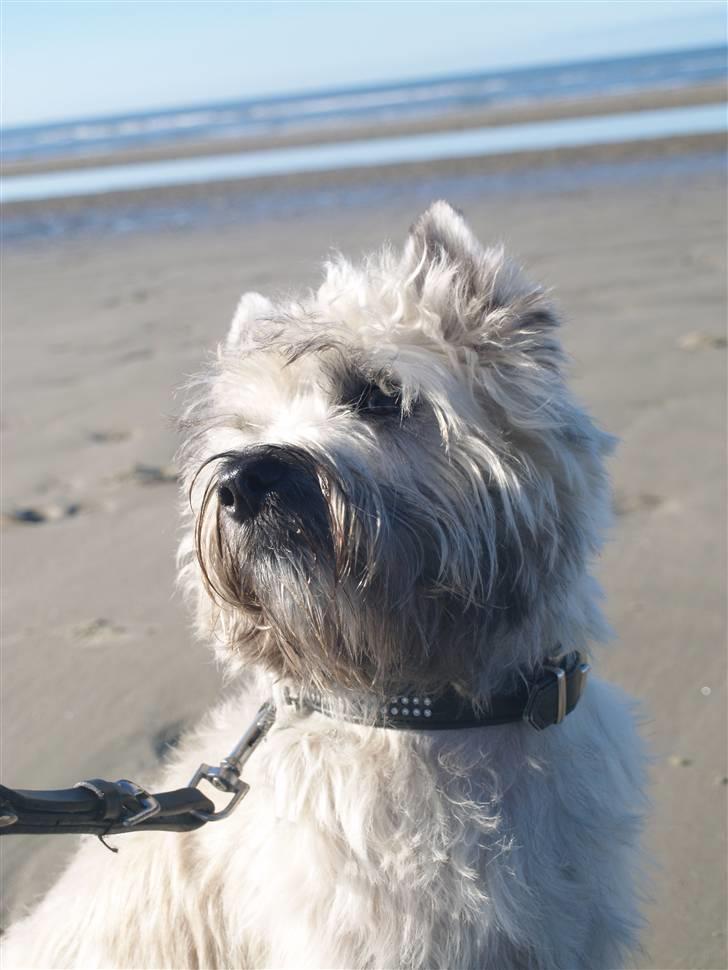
(392, 504)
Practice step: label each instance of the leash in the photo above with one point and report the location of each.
(99, 807)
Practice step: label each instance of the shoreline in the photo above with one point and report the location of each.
(510, 163)
(503, 115)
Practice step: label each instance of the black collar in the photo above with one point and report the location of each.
(541, 700)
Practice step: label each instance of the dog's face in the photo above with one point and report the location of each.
(390, 484)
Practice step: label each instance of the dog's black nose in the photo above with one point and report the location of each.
(244, 484)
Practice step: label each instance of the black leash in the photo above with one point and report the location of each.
(99, 807)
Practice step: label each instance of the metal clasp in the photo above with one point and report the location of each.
(226, 776)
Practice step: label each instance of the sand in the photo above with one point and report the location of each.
(99, 669)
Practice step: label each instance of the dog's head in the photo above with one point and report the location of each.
(389, 481)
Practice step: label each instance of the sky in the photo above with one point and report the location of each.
(76, 59)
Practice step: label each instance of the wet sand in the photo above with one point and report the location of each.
(99, 669)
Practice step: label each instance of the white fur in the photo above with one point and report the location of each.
(500, 848)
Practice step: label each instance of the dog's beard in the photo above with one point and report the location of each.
(288, 535)
(284, 578)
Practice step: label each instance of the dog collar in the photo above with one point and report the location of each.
(540, 701)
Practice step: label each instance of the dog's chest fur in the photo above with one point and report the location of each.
(370, 848)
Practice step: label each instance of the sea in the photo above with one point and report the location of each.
(329, 110)
(371, 104)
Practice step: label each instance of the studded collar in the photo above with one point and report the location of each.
(541, 700)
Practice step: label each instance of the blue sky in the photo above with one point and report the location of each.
(72, 59)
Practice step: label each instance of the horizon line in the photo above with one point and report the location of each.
(359, 87)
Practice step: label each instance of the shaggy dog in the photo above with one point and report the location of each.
(391, 492)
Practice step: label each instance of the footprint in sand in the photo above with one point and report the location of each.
(678, 761)
(136, 296)
(153, 474)
(166, 739)
(111, 436)
(136, 353)
(98, 631)
(644, 501)
(39, 514)
(701, 340)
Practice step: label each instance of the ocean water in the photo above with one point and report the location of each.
(226, 206)
(536, 136)
(216, 122)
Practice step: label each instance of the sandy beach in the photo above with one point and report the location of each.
(99, 669)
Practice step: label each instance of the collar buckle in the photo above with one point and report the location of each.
(557, 692)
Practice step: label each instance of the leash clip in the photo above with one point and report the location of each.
(226, 776)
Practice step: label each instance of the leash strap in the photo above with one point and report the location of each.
(100, 807)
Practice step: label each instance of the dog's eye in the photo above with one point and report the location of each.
(373, 400)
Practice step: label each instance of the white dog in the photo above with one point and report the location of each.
(395, 501)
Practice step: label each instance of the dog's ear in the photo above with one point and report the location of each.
(442, 236)
(443, 260)
(480, 296)
(252, 306)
